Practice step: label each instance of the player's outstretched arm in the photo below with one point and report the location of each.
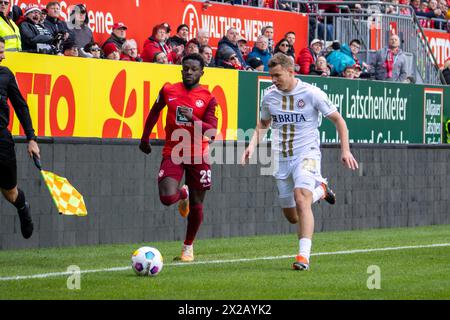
(346, 156)
(151, 121)
(260, 131)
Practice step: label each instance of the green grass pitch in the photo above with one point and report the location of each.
(408, 273)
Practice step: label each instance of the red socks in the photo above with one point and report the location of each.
(183, 193)
(195, 219)
(169, 200)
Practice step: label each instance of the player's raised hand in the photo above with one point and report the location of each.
(247, 155)
(348, 160)
(145, 147)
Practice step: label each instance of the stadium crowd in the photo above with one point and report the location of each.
(40, 29)
(431, 13)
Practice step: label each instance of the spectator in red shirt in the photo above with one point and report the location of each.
(268, 4)
(192, 47)
(156, 43)
(111, 52)
(231, 60)
(423, 5)
(130, 52)
(349, 72)
(118, 36)
(309, 56)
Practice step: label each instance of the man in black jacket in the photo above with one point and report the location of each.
(35, 36)
(230, 41)
(54, 23)
(118, 36)
(8, 165)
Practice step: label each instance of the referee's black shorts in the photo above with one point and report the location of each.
(8, 165)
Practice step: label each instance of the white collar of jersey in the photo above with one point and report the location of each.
(287, 93)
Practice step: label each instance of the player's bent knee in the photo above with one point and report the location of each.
(10, 195)
(169, 200)
(303, 198)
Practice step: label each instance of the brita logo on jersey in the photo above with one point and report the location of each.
(288, 118)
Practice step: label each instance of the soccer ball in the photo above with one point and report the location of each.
(147, 261)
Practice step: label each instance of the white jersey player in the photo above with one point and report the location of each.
(293, 109)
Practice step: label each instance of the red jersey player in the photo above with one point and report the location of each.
(191, 116)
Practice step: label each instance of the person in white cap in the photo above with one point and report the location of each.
(308, 56)
(35, 36)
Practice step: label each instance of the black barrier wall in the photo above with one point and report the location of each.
(396, 186)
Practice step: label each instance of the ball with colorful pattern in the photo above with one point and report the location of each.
(147, 261)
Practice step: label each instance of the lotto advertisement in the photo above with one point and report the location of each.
(79, 97)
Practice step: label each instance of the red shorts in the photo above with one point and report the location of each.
(198, 176)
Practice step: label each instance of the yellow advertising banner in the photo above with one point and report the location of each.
(79, 97)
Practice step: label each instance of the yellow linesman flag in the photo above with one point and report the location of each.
(67, 199)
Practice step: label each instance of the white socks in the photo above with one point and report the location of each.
(305, 247)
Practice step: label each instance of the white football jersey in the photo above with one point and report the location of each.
(295, 119)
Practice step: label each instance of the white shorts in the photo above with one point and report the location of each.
(303, 173)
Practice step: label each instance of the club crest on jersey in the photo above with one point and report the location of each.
(301, 104)
(199, 103)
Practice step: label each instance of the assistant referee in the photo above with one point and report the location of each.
(8, 166)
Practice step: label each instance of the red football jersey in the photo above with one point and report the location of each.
(202, 105)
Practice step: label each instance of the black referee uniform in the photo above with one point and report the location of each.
(9, 90)
(8, 167)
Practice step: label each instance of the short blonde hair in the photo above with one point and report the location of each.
(280, 59)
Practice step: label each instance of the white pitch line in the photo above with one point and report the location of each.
(58, 274)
